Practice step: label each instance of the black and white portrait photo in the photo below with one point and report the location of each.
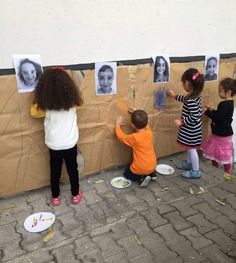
(161, 69)
(105, 78)
(28, 70)
(211, 67)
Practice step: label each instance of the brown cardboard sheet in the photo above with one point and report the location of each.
(24, 160)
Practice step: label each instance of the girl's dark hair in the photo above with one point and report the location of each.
(105, 68)
(139, 118)
(228, 84)
(56, 91)
(166, 72)
(196, 81)
(37, 67)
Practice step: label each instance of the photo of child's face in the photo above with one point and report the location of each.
(160, 67)
(211, 66)
(29, 74)
(105, 79)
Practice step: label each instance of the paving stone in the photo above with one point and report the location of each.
(224, 223)
(38, 256)
(121, 230)
(146, 195)
(210, 199)
(164, 209)
(133, 248)
(177, 220)
(12, 249)
(8, 233)
(206, 210)
(62, 209)
(40, 205)
(169, 234)
(201, 223)
(153, 218)
(91, 256)
(107, 244)
(214, 254)
(101, 187)
(184, 208)
(120, 257)
(138, 224)
(65, 254)
(225, 243)
(84, 243)
(91, 197)
(227, 211)
(198, 240)
(91, 223)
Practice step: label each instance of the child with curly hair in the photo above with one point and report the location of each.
(56, 98)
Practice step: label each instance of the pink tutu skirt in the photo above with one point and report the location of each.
(219, 149)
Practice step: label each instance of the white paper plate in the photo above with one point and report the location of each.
(39, 222)
(120, 182)
(165, 169)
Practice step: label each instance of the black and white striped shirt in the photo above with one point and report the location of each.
(190, 133)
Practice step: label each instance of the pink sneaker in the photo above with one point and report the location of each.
(56, 201)
(76, 199)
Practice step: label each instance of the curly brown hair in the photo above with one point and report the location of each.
(56, 91)
(139, 118)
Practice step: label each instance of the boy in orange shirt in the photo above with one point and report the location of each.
(142, 169)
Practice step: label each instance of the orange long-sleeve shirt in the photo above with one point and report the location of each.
(144, 157)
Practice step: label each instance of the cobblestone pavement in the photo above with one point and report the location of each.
(161, 223)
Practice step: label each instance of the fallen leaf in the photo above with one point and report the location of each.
(138, 240)
(201, 189)
(220, 202)
(191, 191)
(49, 236)
(164, 189)
(99, 181)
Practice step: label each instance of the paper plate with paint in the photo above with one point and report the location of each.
(165, 169)
(120, 182)
(39, 222)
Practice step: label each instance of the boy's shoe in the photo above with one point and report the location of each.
(184, 166)
(144, 181)
(55, 201)
(75, 200)
(154, 176)
(192, 174)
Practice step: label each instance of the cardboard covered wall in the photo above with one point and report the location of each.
(24, 159)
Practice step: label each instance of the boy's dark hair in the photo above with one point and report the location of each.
(56, 91)
(105, 68)
(228, 84)
(139, 119)
(195, 79)
(37, 67)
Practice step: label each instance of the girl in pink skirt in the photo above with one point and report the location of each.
(218, 147)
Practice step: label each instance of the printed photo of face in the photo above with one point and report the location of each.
(105, 76)
(211, 69)
(211, 66)
(105, 79)
(29, 75)
(161, 70)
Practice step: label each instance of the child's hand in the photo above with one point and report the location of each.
(120, 121)
(207, 108)
(131, 109)
(170, 93)
(178, 122)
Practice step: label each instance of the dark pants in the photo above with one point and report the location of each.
(56, 160)
(128, 174)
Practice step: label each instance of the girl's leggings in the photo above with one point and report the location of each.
(227, 167)
(192, 157)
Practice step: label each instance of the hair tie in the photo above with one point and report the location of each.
(58, 68)
(195, 76)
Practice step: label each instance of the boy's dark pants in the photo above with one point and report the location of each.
(56, 160)
(128, 174)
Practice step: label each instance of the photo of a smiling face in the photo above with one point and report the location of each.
(211, 68)
(105, 78)
(161, 69)
(28, 71)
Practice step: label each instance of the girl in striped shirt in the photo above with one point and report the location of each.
(190, 123)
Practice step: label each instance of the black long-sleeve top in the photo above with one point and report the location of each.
(222, 118)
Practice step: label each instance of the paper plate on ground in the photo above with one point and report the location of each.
(120, 182)
(165, 169)
(39, 222)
